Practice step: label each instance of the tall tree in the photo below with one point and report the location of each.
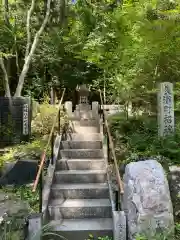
(30, 49)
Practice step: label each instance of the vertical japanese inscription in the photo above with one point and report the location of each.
(166, 109)
(25, 119)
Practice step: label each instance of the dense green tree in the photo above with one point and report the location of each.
(125, 48)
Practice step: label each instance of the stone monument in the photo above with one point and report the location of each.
(147, 201)
(84, 92)
(15, 123)
(84, 106)
(165, 109)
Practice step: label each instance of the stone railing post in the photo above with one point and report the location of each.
(119, 225)
(68, 107)
(35, 226)
(95, 107)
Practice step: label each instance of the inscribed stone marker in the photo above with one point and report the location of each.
(25, 119)
(165, 109)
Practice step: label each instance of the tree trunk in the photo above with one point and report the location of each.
(62, 12)
(28, 58)
(5, 72)
(6, 79)
(6, 12)
(104, 91)
(28, 27)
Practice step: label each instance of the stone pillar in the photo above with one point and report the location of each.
(165, 109)
(35, 226)
(147, 201)
(77, 107)
(53, 96)
(77, 111)
(95, 108)
(119, 225)
(68, 107)
(129, 109)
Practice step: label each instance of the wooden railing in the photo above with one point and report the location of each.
(38, 179)
(111, 148)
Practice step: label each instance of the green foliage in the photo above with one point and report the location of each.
(12, 229)
(138, 137)
(24, 193)
(12, 225)
(41, 127)
(177, 230)
(99, 238)
(164, 236)
(45, 118)
(124, 48)
(7, 129)
(32, 150)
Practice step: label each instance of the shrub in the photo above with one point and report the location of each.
(45, 117)
(31, 150)
(35, 108)
(43, 122)
(13, 229)
(162, 236)
(139, 137)
(24, 193)
(99, 238)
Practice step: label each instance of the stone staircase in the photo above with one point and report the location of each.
(79, 204)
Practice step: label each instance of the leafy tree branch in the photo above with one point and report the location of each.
(32, 51)
(28, 27)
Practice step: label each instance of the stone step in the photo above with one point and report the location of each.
(79, 208)
(80, 229)
(84, 107)
(86, 123)
(81, 153)
(85, 129)
(75, 116)
(81, 164)
(84, 114)
(81, 144)
(84, 137)
(80, 176)
(80, 191)
(76, 113)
